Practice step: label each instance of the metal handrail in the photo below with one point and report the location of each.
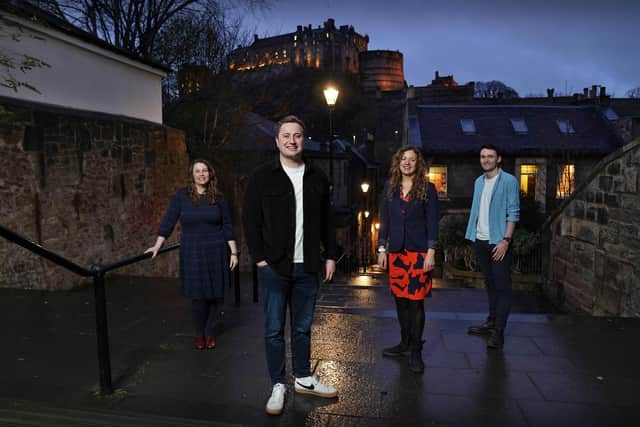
(31, 246)
(98, 272)
(132, 260)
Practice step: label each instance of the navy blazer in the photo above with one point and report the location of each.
(416, 229)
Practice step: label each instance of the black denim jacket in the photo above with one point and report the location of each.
(269, 218)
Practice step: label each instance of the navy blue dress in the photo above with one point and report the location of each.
(204, 256)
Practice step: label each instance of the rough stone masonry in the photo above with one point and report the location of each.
(595, 240)
(90, 187)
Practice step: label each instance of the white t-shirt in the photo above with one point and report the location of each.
(482, 230)
(296, 175)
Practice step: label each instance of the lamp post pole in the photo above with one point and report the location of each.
(331, 96)
(365, 215)
(330, 149)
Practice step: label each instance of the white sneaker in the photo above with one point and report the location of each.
(275, 404)
(312, 385)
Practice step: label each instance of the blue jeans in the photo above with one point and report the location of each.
(497, 279)
(299, 293)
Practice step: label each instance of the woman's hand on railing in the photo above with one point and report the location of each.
(155, 248)
(233, 261)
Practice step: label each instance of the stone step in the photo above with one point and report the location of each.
(30, 414)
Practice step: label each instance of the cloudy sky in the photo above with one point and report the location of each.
(528, 44)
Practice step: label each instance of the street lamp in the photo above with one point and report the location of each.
(331, 96)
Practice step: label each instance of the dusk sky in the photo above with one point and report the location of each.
(529, 45)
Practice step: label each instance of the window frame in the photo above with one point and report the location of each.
(464, 125)
(441, 194)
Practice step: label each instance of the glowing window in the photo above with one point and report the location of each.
(528, 179)
(438, 177)
(468, 126)
(565, 126)
(566, 181)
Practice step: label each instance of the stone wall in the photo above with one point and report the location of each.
(594, 263)
(90, 187)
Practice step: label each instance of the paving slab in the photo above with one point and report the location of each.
(555, 369)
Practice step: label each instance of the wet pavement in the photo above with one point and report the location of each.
(555, 369)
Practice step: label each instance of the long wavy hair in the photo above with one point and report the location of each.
(211, 192)
(420, 178)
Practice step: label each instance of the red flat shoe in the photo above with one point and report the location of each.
(211, 342)
(198, 343)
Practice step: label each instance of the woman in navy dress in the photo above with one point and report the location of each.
(204, 259)
(409, 235)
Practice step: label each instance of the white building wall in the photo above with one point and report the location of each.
(84, 76)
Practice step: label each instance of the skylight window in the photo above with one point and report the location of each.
(519, 126)
(610, 114)
(565, 126)
(468, 126)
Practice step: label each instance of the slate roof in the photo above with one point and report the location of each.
(437, 129)
(258, 134)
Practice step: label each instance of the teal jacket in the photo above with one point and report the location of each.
(505, 206)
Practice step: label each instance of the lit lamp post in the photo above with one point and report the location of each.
(366, 241)
(331, 96)
(365, 188)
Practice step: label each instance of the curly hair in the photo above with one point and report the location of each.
(211, 192)
(420, 178)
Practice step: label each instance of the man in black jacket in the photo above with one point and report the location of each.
(287, 217)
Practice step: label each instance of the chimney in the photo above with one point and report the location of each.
(594, 91)
(299, 29)
(550, 92)
(603, 92)
(437, 75)
(585, 92)
(255, 38)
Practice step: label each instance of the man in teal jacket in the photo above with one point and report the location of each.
(494, 213)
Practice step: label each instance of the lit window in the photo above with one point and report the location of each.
(528, 178)
(566, 181)
(519, 126)
(468, 126)
(438, 177)
(295, 38)
(610, 114)
(565, 126)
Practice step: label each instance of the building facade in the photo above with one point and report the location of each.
(326, 47)
(120, 83)
(550, 149)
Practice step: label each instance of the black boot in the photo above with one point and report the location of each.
(401, 349)
(417, 319)
(416, 364)
(496, 339)
(484, 329)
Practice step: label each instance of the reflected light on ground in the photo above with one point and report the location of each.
(362, 280)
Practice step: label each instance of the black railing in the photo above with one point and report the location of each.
(97, 272)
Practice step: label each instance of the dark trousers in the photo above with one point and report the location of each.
(204, 312)
(299, 292)
(497, 279)
(411, 318)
